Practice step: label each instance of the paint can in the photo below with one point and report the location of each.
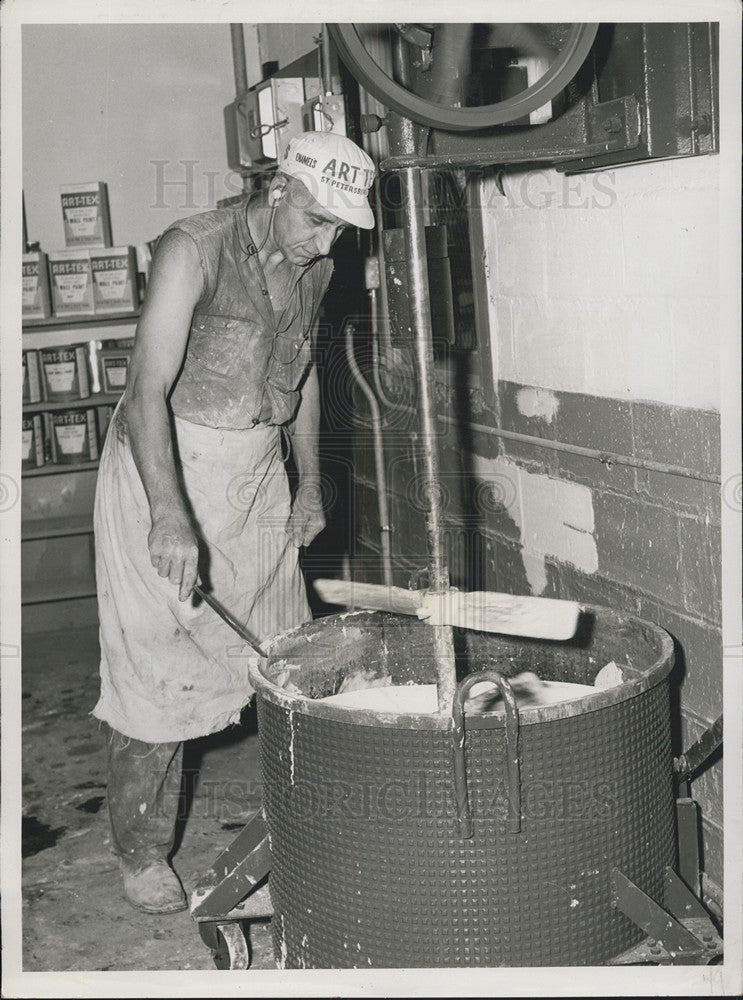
(114, 271)
(37, 293)
(72, 282)
(65, 372)
(74, 435)
(85, 214)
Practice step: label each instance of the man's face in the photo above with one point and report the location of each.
(302, 228)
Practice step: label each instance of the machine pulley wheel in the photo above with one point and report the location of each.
(372, 77)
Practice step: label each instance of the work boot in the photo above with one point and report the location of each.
(154, 889)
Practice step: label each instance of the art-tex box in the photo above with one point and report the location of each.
(114, 370)
(114, 279)
(74, 436)
(72, 282)
(85, 214)
(37, 302)
(65, 371)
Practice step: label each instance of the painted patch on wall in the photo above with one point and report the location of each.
(533, 402)
(554, 517)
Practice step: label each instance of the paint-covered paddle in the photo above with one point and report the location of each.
(483, 610)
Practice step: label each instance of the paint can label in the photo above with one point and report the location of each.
(72, 283)
(71, 438)
(114, 279)
(116, 371)
(66, 372)
(75, 436)
(85, 214)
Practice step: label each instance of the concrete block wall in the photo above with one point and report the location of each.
(604, 304)
(604, 333)
(608, 282)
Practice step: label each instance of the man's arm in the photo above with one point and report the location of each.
(307, 519)
(175, 287)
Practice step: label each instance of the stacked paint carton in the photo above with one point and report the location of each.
(90, 276)
(67, 435)
(32, 438)
(36, 295)
(61, 435)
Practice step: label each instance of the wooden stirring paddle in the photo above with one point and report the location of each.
(482, 610)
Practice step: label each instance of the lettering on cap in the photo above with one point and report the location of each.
(308, 161)
(341, 172)
(336, 171)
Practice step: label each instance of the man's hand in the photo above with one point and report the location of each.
(307, 519)
(174, 552)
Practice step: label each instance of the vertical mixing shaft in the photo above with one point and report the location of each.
(420, 314)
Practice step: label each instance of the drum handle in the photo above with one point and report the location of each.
(513, 767)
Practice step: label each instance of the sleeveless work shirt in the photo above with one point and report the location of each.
(243, 364)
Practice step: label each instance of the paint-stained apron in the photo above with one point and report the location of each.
(170, 670)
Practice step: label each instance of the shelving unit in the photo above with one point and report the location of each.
(50, 469)
(56, 527)
(92, 319)
(94, 399)
(63, 582)
(59, 332)
(42, 592)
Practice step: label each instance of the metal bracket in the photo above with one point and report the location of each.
(680, 900)
(235, 873)
(672, 70)
(615, 123)
(687, 828)
(687, 765)
(588, 128)
(681, 934)
(254, 907)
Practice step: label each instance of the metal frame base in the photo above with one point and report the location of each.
(680, 933)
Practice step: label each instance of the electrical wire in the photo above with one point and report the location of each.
(276, 336)
(270, 226)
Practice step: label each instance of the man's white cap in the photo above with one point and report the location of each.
(337, 173)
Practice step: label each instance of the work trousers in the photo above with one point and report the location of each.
(144, 789)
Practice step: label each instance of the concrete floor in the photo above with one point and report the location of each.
(74, 913)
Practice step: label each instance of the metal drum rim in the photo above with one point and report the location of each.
(651, 676)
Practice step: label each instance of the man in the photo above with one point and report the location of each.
(192, 484)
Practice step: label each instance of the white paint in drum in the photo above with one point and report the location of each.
(421, 699)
